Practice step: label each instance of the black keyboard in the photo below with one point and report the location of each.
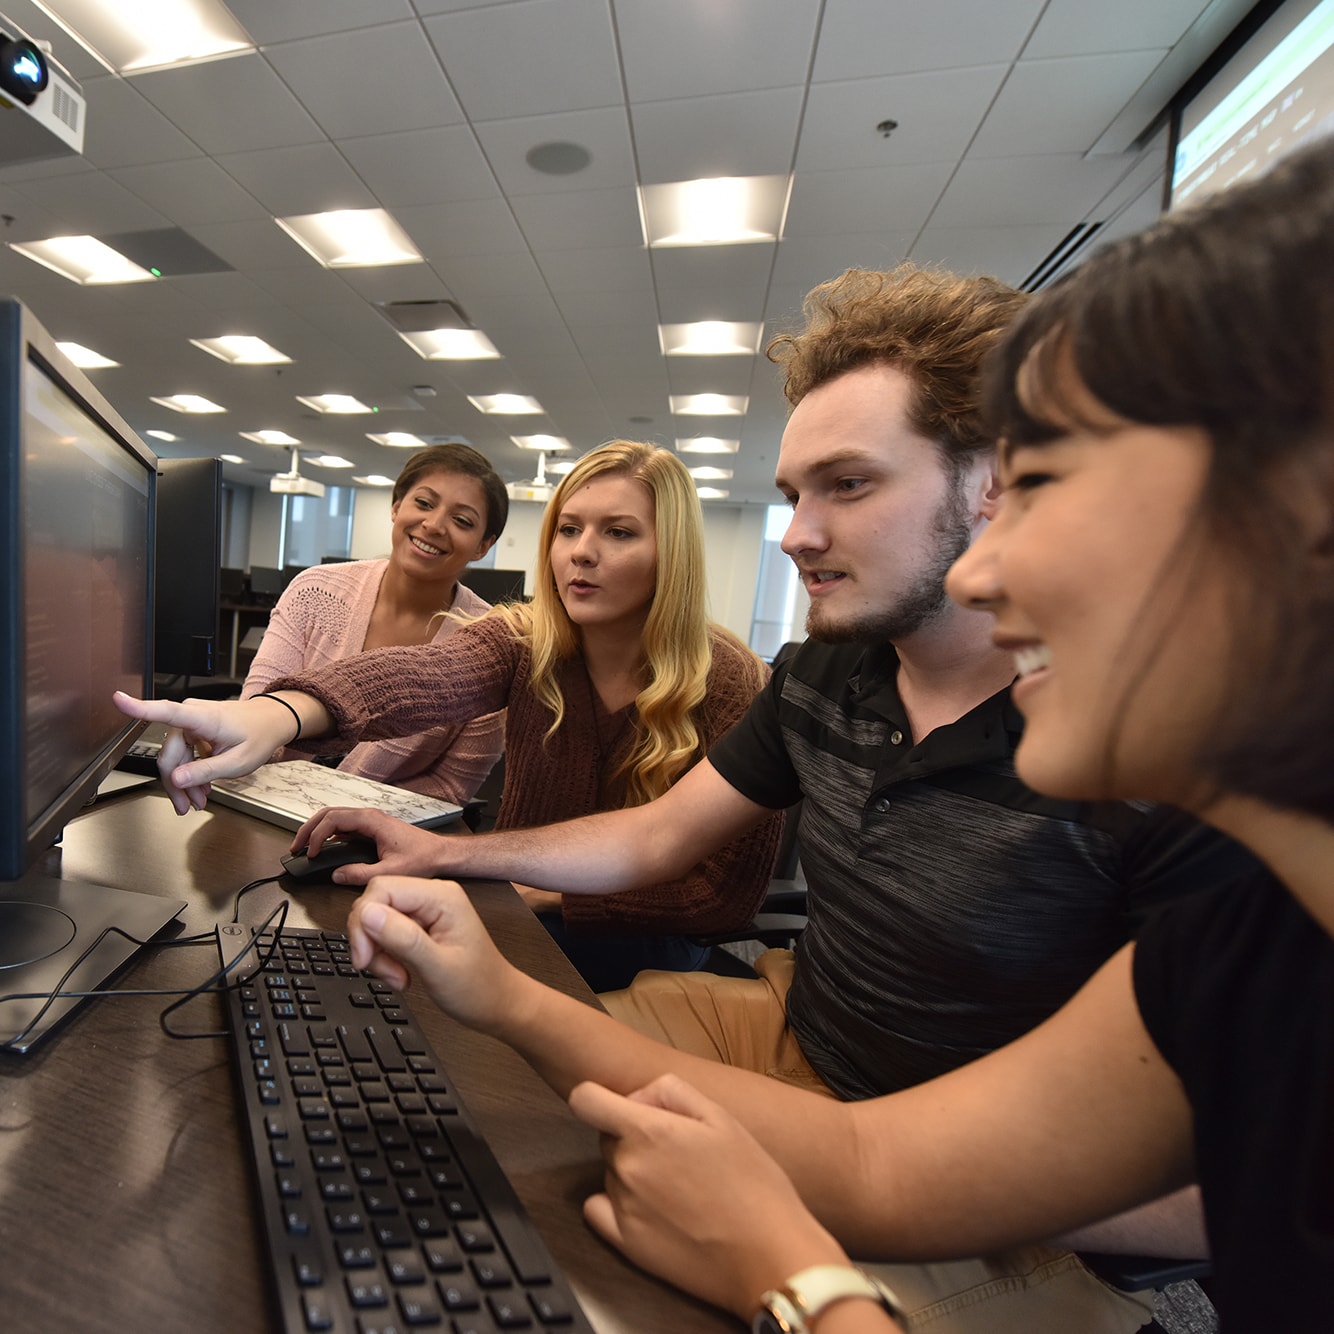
(141, 758)
(384, 1210)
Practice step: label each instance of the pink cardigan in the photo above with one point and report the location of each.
(323, 617)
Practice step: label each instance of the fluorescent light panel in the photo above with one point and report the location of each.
(711, 493)
(451, 345)
(150, 34)
(163, 435)
(188, 403)
(85, 358)
(269, 437)
(512, 405)
(231, 458)
(84, 260)
(329, 461)
(709, 405)
(374, 479)
(339, 404)
(710, 474)
(707, 444)
(351, 238)
(242, 350)
(727, 210)
(710, 338)
(398, 440)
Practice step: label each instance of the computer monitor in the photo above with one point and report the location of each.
(188, 564)
(266, 583)
(77, 491)
(231, 584)
(494, 585)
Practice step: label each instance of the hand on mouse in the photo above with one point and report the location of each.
(402, 848)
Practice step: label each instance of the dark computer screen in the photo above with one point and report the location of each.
(188, 564)
(231, 584)
(494, 585)
(77, 492)
(266, 583)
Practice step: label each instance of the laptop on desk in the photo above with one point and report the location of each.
(289, 793)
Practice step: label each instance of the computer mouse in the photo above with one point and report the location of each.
(335, 852)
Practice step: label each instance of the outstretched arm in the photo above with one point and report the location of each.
(1074, 1122)
(598, 854)
(240, 735)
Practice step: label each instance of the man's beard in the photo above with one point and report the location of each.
(922, 602)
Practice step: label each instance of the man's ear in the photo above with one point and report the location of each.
(989, 487)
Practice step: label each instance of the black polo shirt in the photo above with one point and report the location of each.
(951, 909)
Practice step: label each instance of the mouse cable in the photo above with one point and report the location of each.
(49, 998)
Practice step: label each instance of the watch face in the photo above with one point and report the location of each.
(777, 1316)
(768, 1323)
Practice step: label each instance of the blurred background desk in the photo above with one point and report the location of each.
(125, 1193)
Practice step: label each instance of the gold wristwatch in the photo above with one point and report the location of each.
(792, 1308)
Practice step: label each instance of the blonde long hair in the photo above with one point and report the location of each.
(677, 647)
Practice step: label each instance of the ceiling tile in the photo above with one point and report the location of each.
(268, 22)
(603, 132)
(803, 262)
(1091, 90)
(529, 58)
(895, 198)
(938, 113)
(691, 48)
(728, 134)
(290, 182)
(465, 227)
(1075, 28)
(1026, 191)
(123, 128)
(572, 222)
(230, 106)
(1008, 253)
(433, 166)
(604, 269)
(374, 81)
(91, 204)
(193, 191)
(866, 38)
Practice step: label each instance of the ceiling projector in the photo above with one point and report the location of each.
(42, 109)
(293, 484)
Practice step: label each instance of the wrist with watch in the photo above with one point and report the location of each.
(793, 1307)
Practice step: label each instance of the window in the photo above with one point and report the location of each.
(316, 526)
(780, 601)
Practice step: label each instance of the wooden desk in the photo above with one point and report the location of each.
(125, 1194)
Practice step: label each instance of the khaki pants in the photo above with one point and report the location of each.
(743, 1022)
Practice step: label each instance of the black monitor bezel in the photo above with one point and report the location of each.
(24, 840)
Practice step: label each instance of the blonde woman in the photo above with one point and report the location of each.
(614, 682)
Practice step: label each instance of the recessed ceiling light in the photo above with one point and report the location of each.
(550, 444)
(351, 238)
(335, 403)
(163, 435)
(513, 405)
(725, 210)
(561, 466)
(709, 405)
(130, 39)
(231, 458)
(242, 350)
(85, 358)
(710, 474)
(84, 260)
(707, 444)
(188, 403)
(711, 493)
(398, 440)
(710, 338)
(269, 437)
(374, 479)
(451, 345)
(329, 461)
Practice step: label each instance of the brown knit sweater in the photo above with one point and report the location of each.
(482, 668)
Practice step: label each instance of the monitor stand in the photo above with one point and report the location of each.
(45, 925)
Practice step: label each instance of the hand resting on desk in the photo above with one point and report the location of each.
(693, 1198)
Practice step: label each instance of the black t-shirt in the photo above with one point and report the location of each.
(1237, 991)
(951, 908)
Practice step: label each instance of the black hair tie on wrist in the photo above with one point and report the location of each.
(290, 710)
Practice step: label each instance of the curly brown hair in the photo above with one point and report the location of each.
(934, 326)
